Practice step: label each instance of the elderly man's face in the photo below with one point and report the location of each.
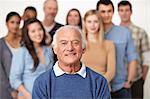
(69, 46)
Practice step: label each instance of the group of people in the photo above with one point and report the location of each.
(85, 59)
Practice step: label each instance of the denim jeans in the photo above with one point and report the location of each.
(121, 94)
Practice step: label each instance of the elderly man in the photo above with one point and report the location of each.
(69, 78)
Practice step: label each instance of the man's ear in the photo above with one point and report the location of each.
(55, 50)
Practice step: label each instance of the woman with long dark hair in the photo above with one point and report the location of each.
(74, 18)
(32, 59)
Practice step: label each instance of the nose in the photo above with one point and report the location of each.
(93, 24)
(70, 47)
(106, 14)
(16, 26)
(37, 33)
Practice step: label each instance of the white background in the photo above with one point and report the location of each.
(140, 17)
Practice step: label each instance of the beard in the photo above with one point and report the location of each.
(50, 17)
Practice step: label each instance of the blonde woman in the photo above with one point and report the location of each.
(100, 53)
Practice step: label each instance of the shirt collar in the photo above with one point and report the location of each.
(131, 25)
(58, 71)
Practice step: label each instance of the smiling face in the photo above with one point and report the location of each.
(35, 33)
(92, 23)
(73, 18)
(68, 46)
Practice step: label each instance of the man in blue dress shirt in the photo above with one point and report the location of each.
(69, 78)
(125, 51)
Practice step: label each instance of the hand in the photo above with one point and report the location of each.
(14, 94)
(127, 84)
(27, 96)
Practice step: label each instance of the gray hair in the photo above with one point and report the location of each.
(54, 42)
(48, 1)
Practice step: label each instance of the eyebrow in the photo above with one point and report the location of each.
(69, 40)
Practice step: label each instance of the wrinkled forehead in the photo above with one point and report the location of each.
(69, 34)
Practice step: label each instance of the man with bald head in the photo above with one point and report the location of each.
(69, 78)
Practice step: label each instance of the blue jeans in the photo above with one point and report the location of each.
(121, 94)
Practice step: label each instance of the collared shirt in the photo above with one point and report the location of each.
(49, 28)
(70, 86)
(125, 51)
(58, 71)
(141, 42)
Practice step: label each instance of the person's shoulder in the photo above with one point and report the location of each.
(121, 31)
(141, 30)
(44, 76)
(108, 42)
(47, 48)
(21, 52)
(59, 24)
(137, 28)
(121, 28)
(95, 75)
(42, 84)
(22, 49)
(2, 43)
(1, 39)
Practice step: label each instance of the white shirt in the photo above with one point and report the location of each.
(13, 50)
(58, 71)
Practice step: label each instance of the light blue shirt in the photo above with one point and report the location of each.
(22, 64)
(125, 52)
(58, 71)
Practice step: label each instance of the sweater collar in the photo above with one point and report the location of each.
(58, 71)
